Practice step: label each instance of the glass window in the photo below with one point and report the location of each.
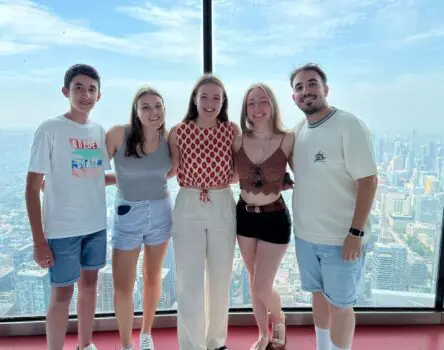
(370, 50)
(383, 60)
(130, 43)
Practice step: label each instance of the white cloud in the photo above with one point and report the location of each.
(163, 17)
(242, 28)
(27, 23)
(430, 34)
(281, 28)
(29, 26)
(8, 47)
(21, 76)
(285, 28)
(177, 32)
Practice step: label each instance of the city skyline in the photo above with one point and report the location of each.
(384, 62)
(400, 270)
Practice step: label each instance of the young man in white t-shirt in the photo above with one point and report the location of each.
(335, 184)
(69, 230)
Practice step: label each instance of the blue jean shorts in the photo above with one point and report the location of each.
(323, 270)
(145, 222)
(72, 254)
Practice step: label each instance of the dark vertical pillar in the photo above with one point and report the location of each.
(207, 36)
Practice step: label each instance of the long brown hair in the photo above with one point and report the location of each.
(192, 113)
(136, 138)
(247, 125)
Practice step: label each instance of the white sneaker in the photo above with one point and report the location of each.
(128, 348)
(146, 342)
(89, 347)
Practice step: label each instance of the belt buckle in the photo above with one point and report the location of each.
(256, 209)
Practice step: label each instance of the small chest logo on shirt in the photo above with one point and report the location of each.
(319, 157)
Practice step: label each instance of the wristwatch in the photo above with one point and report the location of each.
(356, 232)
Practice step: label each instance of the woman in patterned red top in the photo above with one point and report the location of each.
(204, 217)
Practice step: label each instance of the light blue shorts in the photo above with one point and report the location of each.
(72, 254)
(144, 222)
(322, 269)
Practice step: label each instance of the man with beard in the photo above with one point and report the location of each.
(335, 184)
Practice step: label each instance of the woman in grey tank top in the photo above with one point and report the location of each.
(142, 212)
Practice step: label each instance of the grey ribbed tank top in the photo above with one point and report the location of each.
(142, 178)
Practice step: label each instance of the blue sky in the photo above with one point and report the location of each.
(384, 58)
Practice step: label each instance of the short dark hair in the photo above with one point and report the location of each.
(78, 69)
(308, 67)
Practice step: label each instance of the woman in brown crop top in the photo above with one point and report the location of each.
(263, 221)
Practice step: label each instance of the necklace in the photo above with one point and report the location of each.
(262, 133)
(266, 146)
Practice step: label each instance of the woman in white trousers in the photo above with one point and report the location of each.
(204, 219)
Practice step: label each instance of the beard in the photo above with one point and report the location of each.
(314, 106)
(310, 110)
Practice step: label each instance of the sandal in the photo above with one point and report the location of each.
(279, 339)
(263, 343)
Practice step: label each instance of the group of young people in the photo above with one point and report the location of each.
(330, 153)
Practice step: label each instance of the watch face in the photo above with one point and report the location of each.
(356, 232)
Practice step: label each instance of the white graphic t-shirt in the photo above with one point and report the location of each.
(73, 158)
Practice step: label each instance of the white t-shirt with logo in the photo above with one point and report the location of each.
(328, 158)
(73, 158)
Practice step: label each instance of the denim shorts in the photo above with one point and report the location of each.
(145, 222)
(72, 254)
(322, 269)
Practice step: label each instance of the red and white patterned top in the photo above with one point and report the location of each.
(205, 156)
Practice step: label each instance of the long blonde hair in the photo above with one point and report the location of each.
(247, 125)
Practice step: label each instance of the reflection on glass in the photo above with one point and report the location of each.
(371, 61)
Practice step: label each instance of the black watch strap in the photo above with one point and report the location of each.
(356, 232)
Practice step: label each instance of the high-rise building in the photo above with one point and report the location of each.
(7, 289)
(410, 163)
(389, 267)
(33, 290)
(426, 208)
(168, 295)
(416, 229)
(105, 290)
(396, 202)
(22, 255)
(418, 276)
(379, 150)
